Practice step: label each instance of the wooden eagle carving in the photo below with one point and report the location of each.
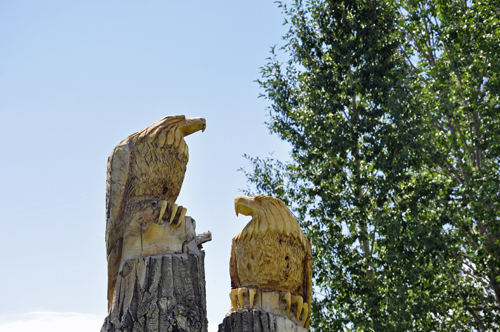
(144, 178)
(271, 255)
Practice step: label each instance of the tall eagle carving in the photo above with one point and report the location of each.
(144, 178)
(271, 255)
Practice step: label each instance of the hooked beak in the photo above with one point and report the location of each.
(242, 205)
(193, 125)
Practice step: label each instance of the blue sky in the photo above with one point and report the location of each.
(77, 77)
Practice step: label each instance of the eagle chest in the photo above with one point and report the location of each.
(270, 262)
(157, 171)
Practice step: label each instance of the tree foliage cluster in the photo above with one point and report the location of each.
(392, 109)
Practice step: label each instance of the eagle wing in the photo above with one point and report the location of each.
(120, 183)
(117, 175)
(233, 268)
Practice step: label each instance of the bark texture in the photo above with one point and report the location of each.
(160, 293)
(245, 320)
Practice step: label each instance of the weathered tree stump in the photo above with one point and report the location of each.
(256, 320)
(160, 293)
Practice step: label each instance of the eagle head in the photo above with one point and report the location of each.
(269, 214)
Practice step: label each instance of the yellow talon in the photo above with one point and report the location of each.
(288, 299)
(251, 293)
(181, 218)
(163, 207)
(240, 296)
(306, 314)
(299, 300)
(233, 295)
(174, 211)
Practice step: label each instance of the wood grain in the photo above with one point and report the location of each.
(271, 260)
(144, 179)
(160, 293)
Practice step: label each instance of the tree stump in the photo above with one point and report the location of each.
(256, 320)
(163, 293)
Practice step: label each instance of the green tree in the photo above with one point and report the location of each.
(392, 109)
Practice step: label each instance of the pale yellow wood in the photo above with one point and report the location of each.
(233, 295)
(251, 293)
(144, 178)
(272, 257)
(155, 239)
(288, 302)
(299, 300)
(275, 302)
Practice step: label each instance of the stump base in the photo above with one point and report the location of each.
(254, 320)
(160, 293)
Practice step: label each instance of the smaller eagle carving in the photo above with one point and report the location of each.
(144, 178)
(271, 254)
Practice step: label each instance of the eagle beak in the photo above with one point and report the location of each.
(242, 205)
(163, 207)
(193, 125)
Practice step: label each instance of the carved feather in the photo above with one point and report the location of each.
(143, 168)
(271, 252)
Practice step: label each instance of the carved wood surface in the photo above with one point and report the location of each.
(258, 321)
(160, 293)
(271, 260)
(145, 175)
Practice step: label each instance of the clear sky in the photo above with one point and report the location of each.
(77, 77)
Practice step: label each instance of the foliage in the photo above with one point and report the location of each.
(392, 110)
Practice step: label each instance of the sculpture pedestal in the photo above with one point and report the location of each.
(256, 320)
(160, 293)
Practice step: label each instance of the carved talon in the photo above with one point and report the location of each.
(177, 215)
(299, 300)
(251, 293)
(163, 207)
(233, 295)
(237, 295)
(174, 212)
(288, 299)
(306, 314)
(182, 216)
(240, 296)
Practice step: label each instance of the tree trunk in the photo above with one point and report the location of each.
(160, 293)
(255, 320)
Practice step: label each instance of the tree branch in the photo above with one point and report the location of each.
(477, 132)
(454, 171)
(421, 51)
(464, 299)
(459, 158)
(466, 145)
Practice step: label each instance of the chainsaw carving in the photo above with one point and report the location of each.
(271, 260)
(145, 175)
